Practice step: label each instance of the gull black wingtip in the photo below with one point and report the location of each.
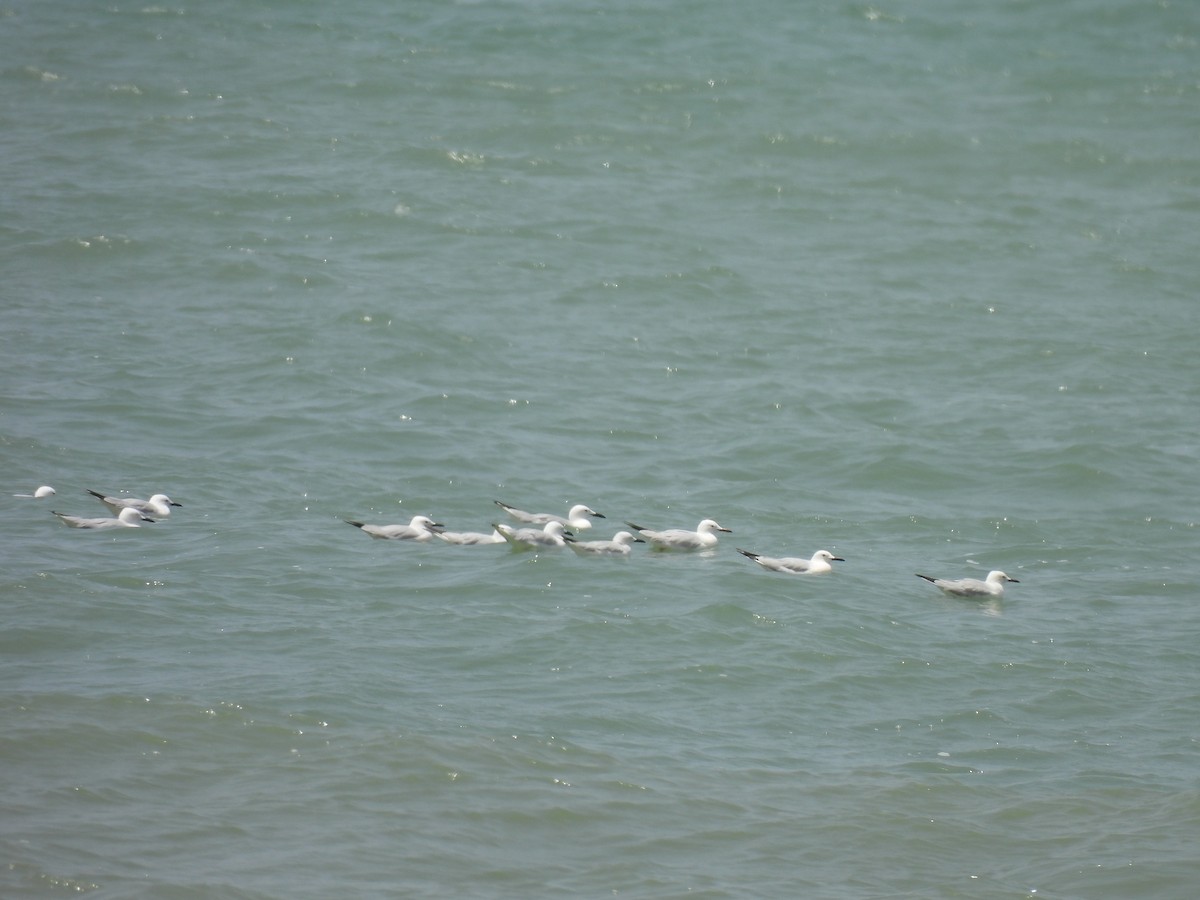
(635, 527)
(352, 522)
(746, 553)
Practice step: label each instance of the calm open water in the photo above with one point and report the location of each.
(914, 283)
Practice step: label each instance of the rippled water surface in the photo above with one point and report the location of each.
(915, 284)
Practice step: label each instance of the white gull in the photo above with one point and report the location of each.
(992, 586)
(703, 538)
(621, 544)
(578, 517)
(421, 528)
(158, 505)
(471, 538)
(819, 564)
(549, 536)
(44, 491)
(126, 518)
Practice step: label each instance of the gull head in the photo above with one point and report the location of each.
(427, 523)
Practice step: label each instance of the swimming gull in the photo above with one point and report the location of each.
(549, 536)
(578, 517)
(158, 505)
(471, 538)
(621, 544)
(421, 528)
(44, 491)
(126, 518)
(790, 565)
(703, 538)
(992, 586)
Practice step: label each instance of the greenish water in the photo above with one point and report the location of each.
(913, 284)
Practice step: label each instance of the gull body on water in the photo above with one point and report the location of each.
(621, 544)
(158, 505)
(703, 538)
(420, 528)
(470, 538)
(126, 518)
(819, 564)
(44, 491)
(992, 586)
(578, 517)
(550, 536)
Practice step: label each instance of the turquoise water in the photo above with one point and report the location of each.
(913, 283)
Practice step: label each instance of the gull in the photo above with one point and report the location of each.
(421, 528)
(470, 538)
(126, 518)
(44, 491)
(620, 545)
(790, 565)
(578, 517)
(158, 505)
(703, 538)
(992, 586)
(550, 535)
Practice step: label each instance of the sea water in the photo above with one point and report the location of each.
(912, 282)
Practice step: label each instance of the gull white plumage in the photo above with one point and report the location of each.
(579, 517)
(621, 544)
(471, 538)
(420, 528)
(992, 586)
(44, 491)
(126, 518)
(703, 538)
(819, 564)
(158, 505)
(548, 537)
